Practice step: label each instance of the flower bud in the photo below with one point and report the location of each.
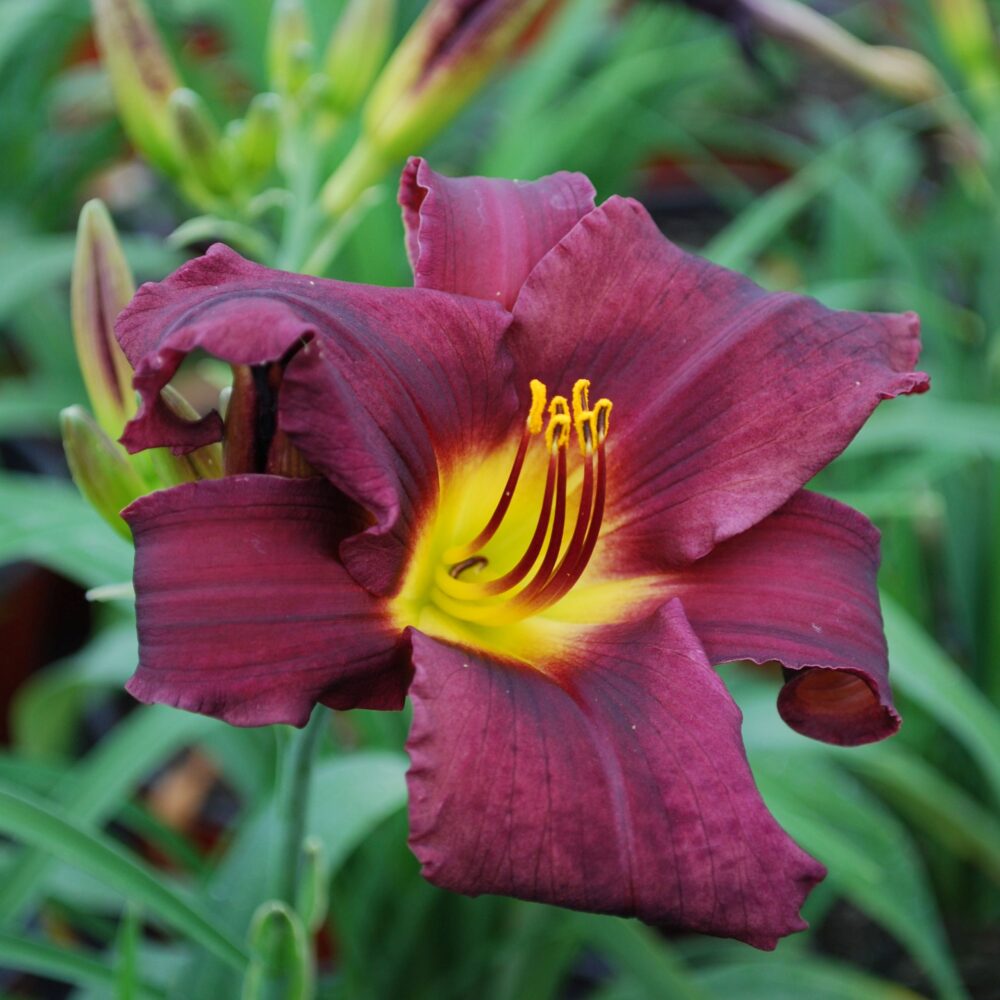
(101, 287)
(257, 143)
(356, 50)
(100, 469)
(142, 76)
(443, 60)
(198, 140)
(901, 73)
(202, 463)
(289, 46)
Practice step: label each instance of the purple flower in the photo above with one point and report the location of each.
(558, 481)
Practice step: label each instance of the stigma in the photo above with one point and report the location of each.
(561, 543)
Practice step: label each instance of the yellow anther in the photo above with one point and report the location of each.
(559, 423)
(600, 419)
(581, 410)
(538, 395)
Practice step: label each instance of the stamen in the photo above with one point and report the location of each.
(601, 417)
(483, 601)
(559, 423)
(581, 411)
(465, 589)
(533, 425)
(538, 394)
(577, 555)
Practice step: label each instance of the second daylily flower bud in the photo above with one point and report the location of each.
(197, 138)
(901, 73)
(142, 76)
(289, 46)
(101, 470)
(102, 286)
(257, 142)
(443, 60)
(356, 50)
(110, 479)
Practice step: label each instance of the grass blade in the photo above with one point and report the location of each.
(36, 823)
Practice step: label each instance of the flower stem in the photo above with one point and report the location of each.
(298, 756)
(302, 166)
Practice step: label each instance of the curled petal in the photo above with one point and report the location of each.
(383, 412)
(800, 588)
(380, 384)
(727, 398)
(482, 236)
(244, 612)
(614, 782)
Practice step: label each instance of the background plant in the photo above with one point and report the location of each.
(140, 838)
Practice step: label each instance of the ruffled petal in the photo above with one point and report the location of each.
(481, 236)
(245, 613)
(800, 588)
(380, 385)
(384, 412)
(615, 782)
(727, 398)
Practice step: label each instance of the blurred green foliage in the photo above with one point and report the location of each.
(800, 177)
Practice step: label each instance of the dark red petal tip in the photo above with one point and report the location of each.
(244, 612)
(837, 706)
(482, 236)
(800, 588)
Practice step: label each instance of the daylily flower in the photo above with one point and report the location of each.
(558, 481)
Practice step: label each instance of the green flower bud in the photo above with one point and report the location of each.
(289, 46)
(441, 63)
(198, 140)
(202, 463)
(257, 143)
(356, 50)
(142, 76)
(101, 287)
(100, 469)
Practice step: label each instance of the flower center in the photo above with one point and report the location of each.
(549, 560)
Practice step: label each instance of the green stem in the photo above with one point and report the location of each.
(298, 755)
(300, 217)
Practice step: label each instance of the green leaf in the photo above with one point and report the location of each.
(971, 430)
(30, 264)
(27, 955)
(38, 824)
(46, 708)
(788, 978)
(48, 522)
(930, 802)
(97, 786)
(646, 956)
(924, 673)
(127, 958)
(869, 855)
(351, 795)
